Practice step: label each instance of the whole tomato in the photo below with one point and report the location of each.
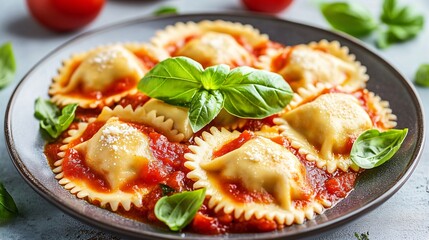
(65, 15)
(266, 6)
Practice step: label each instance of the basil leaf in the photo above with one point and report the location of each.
(8, 207)
(7, 64)
(213, 77)
(45, 109)
(174, 81)
(179, 209)
(205, 106)
(165, 10)
(252, 93)
(349, 18)
(422, 75)
(373, 148)
(166, 190)
(392, 14)
(52, 120)
(403, 24)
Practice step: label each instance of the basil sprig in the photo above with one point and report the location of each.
(7, 64)
(403, 23)
(350, 18)
(178, 210)
(373, 148)
(422, 75)
(243, 92)
(52, 120)
(8, 207)
(397, 23)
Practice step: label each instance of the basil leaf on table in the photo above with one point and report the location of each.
(205, 106)
(403, 23)
(165, 10)
(8, 207)
(422, 75)
(7, 64)
(350, 18)
(52, 120)
(251, 93)
(174, 81)
(373, 148)
(243, 91)
(178, 210)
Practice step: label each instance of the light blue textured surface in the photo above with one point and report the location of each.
(404, 216)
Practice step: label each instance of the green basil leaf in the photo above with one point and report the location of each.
(8, 207)
(396, 34)
(205, 106)
(66, 117)
(213, 77)
(422, 75)
(350, 18)
(174, 81)
(166, 190)
(373, 148)
(52, 120)
(165, 10)
(45, 109)
(179, 209)
(252, 93)
(403, 24)
(7, 64)
(393, 14)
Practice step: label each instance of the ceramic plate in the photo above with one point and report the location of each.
(373, 187)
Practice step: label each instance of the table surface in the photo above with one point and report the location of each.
(403, 216)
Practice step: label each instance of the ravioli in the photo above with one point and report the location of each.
(215, 48)
(212, 42)
(261, 165)
(327, 126)
(117, 151)
(303, 66)
(159, 111)
(98, 78)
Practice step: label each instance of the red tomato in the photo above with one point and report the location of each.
(267, 6)
(65, 15)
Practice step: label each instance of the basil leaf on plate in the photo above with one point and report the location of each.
(251, 93)
(350, 18)
(174, 81)
(52, 120)
(422, 75)
(205, 106)
(373, 148)
(178, 210)
(8, 207)
(7, 64)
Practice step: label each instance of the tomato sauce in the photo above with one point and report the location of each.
(118, 86)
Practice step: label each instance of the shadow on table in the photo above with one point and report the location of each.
(26, 27)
